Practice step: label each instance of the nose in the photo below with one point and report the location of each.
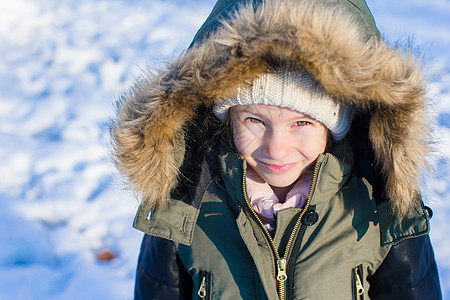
(277, 145)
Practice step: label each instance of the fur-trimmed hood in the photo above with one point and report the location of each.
(334, 40)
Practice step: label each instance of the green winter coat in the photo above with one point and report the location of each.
(165, 144)
(336, 236)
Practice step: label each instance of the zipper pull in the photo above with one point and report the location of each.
(359, 286)
(202, 289)
(281, 276)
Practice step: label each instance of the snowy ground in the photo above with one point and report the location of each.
(62, 65)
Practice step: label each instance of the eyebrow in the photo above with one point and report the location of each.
(245, 108)
(305, 116)
(256, 113)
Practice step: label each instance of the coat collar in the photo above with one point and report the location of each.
(332, 174)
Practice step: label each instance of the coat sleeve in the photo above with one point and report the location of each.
(408, 272)
(160, 272)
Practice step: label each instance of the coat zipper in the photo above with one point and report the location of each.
(291, 266)
(205, 285)
(281, 261)
(357, 284)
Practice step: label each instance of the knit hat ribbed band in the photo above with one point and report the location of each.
(297, 90)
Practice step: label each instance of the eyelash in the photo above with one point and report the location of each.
(254, 120)
(298, 123)
(302, 123)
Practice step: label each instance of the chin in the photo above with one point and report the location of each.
(281, 183)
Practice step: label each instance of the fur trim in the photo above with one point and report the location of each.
(327, 41)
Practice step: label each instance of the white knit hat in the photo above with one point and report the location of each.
(297, 90)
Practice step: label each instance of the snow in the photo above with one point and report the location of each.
(63, 65)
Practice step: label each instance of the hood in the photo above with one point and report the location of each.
(336, 41)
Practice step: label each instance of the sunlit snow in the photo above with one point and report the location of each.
(62, 66)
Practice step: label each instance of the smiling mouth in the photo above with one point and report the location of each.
(278, 169)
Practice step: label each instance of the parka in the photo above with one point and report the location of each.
(364, 231)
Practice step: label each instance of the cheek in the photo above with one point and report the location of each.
(319, 143)
(314, 143)
(245, 140)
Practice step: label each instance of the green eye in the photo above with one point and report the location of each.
(254, 120)
(302, 123)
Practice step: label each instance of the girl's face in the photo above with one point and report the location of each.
(278, 143)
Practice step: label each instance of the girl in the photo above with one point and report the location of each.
(278, 158)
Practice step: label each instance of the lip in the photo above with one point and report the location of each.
(278, 169)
